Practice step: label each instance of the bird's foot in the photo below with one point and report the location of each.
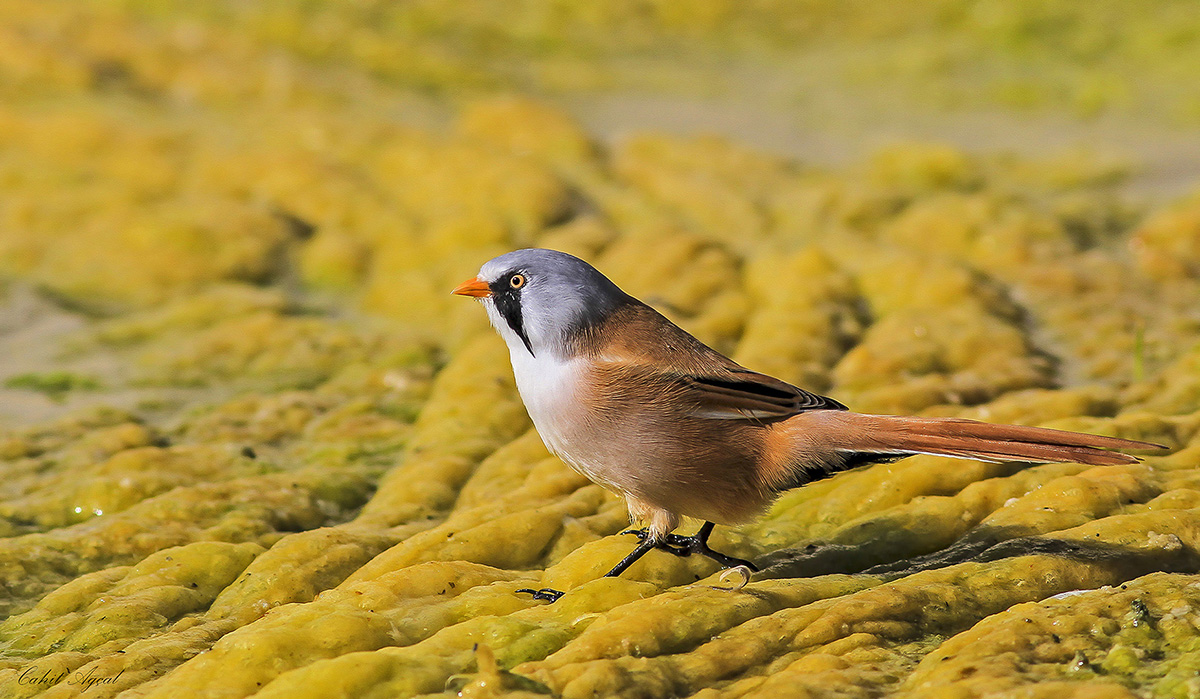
(684, 546)
(672, 543)
(546, 594)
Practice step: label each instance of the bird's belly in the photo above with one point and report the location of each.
(569, 434)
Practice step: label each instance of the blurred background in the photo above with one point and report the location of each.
(819, 80)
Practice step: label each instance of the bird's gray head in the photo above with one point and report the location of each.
(540, 300)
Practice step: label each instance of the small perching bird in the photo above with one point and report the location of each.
(639, 406)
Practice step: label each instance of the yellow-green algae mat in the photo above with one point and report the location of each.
(283, 462)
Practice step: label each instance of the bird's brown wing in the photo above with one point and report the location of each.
(744, 394)
(652, 350)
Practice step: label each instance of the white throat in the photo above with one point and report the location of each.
(545, 379)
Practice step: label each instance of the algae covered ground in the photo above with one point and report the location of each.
(252, 446)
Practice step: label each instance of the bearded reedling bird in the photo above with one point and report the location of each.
(639, 406)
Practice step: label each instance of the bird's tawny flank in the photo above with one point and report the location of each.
(636, 404)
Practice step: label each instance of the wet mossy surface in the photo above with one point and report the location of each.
(251, 445)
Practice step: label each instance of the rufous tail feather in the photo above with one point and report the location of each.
(823, 442)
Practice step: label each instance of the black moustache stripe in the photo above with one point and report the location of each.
(509, 305)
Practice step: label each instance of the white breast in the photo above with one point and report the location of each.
(548, 387)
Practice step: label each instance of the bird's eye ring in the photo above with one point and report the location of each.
(516, 281)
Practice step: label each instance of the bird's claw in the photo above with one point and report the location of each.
(546, 594)
(671, 543)
(684, 546)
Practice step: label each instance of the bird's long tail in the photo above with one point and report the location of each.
(822, 442)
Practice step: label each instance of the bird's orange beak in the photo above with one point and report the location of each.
(473, 287)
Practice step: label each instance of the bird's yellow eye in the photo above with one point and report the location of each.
(516, 281)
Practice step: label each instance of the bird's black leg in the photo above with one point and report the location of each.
(547, 594)
(698, 543)
(552, 595)
(644, 546)
(679, 545)
(686, 546)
